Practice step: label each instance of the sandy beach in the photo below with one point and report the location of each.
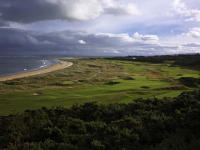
(62, 65)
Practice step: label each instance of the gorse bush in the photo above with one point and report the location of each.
(145, 124)
(189, 81)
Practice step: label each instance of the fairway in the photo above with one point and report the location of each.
(102, 80)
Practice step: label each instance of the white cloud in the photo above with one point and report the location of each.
(80, 9)
(124, 37)
(191, 36)
(146, 38)
(188, 48)
(121, 9)
(82, 42)
(190, 14)
(188, 42)
(111, 51)
(194, 32)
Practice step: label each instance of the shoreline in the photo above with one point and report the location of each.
(61, 65)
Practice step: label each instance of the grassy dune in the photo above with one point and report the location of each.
(102, 80)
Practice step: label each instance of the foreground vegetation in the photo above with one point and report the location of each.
(104, 80)
(145, 124)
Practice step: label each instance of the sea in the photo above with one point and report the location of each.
(19, 64)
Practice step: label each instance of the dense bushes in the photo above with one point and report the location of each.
(189, 81)
(169, 123)
(192, 61)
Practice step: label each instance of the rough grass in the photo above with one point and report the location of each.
(105, 81)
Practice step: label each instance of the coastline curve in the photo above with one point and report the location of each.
(61, 65)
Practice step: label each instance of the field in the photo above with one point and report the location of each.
(102, 80)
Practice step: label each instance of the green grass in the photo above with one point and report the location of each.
(101, 80)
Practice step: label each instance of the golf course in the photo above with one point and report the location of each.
(102, 80)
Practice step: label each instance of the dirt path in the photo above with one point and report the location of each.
(62, 65)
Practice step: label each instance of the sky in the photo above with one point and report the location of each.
(99, 27)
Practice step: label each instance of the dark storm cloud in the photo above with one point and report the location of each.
(20, 42)
(27, 11)
(14, 41)
(3, 23)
